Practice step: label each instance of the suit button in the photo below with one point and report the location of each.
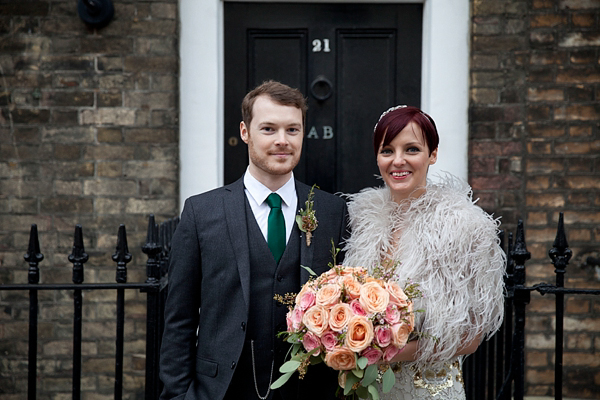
(279, 278)
(243, 326)
(233, 365)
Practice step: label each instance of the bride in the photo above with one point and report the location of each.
(439, 239)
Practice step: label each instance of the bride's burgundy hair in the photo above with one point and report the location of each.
(390, 125)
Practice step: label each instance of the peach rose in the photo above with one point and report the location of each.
(373, 355)
(339, 315)
(341, 359)
(357, 309)
(390, 352)
(360, 333)
(352, 287)
(342, 379)
(383, 335)
(373, 297)
(328, 295)
(409, 316)
(397, 295)
(400, 334)
(316, 319)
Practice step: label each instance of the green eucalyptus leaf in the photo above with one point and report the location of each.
(289, 366)
(299, 222)
(362, 362)
(388, 380)
(351, 379)
(310, 271)
(362, 392)
(358, 372)
(281, 381)
(373, 391)
(370, 375)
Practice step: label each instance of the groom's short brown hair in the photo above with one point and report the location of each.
(279, 93)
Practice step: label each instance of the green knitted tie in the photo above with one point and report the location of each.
(276, 227)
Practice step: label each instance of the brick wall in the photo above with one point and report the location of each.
(89, 135)
(534, 151)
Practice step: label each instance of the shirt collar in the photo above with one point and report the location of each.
(260, 192)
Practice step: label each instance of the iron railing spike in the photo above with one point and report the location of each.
(78, 256)
(519, 252)
(33, 255)
(560, 242)
(122, 255)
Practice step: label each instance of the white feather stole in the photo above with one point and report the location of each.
(449, 246)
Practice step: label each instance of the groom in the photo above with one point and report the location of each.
(235, 248)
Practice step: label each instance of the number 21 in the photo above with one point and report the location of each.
(319, 45)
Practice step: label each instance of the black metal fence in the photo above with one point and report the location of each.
(157, 246)
(497, 369)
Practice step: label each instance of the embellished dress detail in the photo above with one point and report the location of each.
(450, 247)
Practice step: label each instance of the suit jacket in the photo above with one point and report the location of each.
(209, 287)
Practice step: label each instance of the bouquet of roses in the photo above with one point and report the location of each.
(353, 321)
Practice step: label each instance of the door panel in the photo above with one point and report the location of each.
(351, 61)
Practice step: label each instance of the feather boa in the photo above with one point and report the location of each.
(449, 246)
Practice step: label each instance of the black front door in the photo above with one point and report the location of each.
(351, 61)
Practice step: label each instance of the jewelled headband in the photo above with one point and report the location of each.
(389, 110)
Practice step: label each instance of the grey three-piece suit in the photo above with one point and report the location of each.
(222, 279)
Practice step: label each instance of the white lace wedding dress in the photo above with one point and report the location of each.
(449, 246)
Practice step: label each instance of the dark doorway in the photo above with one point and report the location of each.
(352, 62)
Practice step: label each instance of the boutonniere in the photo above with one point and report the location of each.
(306, 219)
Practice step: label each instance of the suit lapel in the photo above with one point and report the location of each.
(234, 204)
(306, 252)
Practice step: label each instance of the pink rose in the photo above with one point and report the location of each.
(390, 352)
(392, 314)
(357, 308)
(316, 319)
(329, 340)
(373, 355)
(310, 341)
(373, 297)
(288, 321)
(328, 295)
(383, 335)
(296, 318)
(400, 334)
(306, 299)
(339, 315)
(360, 333)
(397, 295)
(341, 359)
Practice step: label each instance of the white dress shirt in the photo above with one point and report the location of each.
(257, 194)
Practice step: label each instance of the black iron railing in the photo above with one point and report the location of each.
(157, 248)
(497, 369)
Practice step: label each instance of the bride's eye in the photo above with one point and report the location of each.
(385, 151)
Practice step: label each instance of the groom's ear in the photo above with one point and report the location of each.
(244, 132)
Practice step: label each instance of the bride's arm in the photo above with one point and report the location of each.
(410, 351)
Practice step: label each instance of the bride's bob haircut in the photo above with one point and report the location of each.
(391, 123)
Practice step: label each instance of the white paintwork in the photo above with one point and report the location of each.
(444, 92)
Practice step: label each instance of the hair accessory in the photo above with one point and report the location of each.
(389, 110)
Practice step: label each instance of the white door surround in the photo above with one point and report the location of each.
(444, 88)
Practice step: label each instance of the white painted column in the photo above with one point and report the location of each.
(445, 80)
(200, 97)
